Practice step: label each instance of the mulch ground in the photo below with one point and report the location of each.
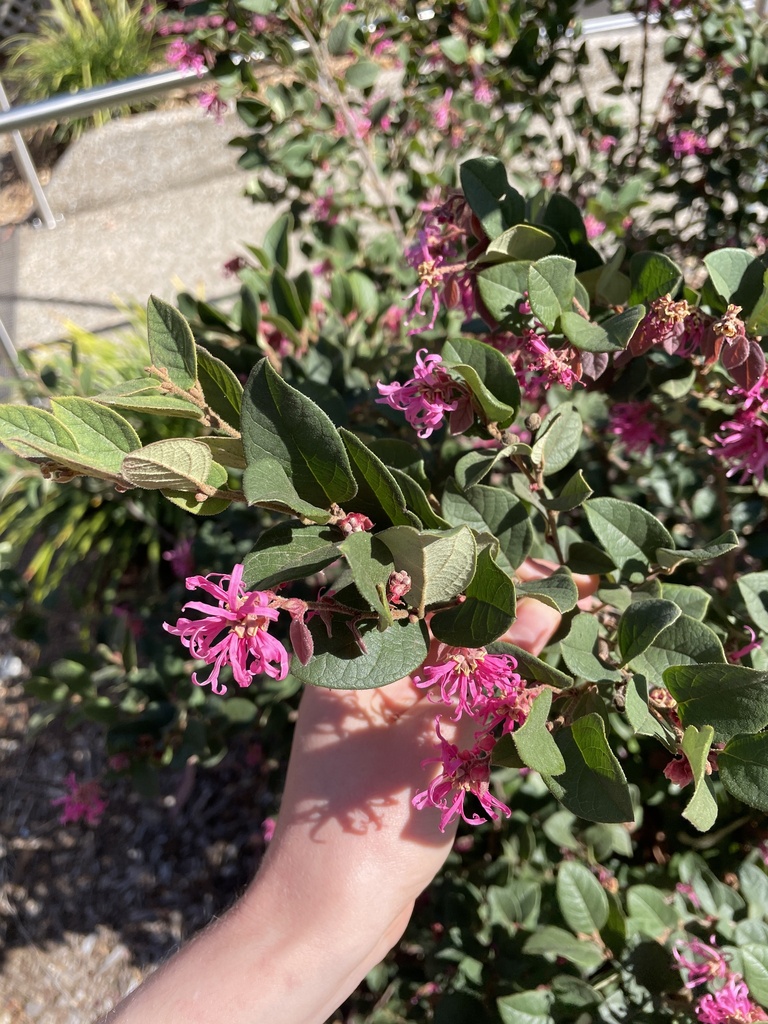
(86, 912)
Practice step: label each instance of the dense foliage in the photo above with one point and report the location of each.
(468, 371)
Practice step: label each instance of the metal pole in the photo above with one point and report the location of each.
(8, 347)
(27, 170)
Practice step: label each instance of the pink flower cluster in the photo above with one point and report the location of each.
(742, 442)
(186, 56)
(687, 143)
(428, 396)
(233, 632)
(487, 688)
(537, 365)
(84, 801)
(633, 424)
(729, 1003)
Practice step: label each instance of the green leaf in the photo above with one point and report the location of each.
(440, 563)
(222, 391)
(517, 903)
(472, 467)
(226, 450)
(650, 913)
(489, 375)
(490, 196)
(495, 511)
(362, 74)
(564, 217)
(754, 590)
(99, 432)
(701, 810)
(530, 667)
(277, 238)
(757, 320)
(340, 37)
(579, 650)
(557, 942)
(582, 900)
(593, 785)
(175, 464)
(638, 714)
(629, 533)
(143, 396)
(371, 565)
(692, 601)
(339, 664)
(525, 1008)
(284, 298)
(486, 614)
(377, 490)
(743, 767)
(171, 343)
(281, 423)
(736, 275)
(551, 287)
(731, 698)
(558, 591)
(558, 438)
(266, 484)
(534, 741)
(621, 326)
(686, 642)
(574, 493)
(522, 242)
(670, 559)
(417, 502)
(755, 961)
(652, 275)
(587, 336)
(502, 288)
(210, 506)
(22, 423)
(289, 552)
(641, 624)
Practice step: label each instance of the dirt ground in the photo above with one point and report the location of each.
(86, 912)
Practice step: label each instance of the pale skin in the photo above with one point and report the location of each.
(349, 856)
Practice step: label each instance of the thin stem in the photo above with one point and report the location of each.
(641, 98)
(327, 80)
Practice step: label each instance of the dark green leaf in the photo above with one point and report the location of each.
(530, 667)
(534, 741)
(629, 533)
(417, 502)
(670, 559)
(486, 614)
(650, 912)
(593, 785)
(491, 198)
(743, 767)
(574, 493)
(522, 242)
(495, 511)
(641, 624)
(377, 490)
(579, 650)
(281, 423)
(276, 241)
(652, 275)
(267, 485)
(502, 288)
(585, 335)
(551, 287)
(736, 275)
(753, 587)
(171, 343)
(289, 552)
(731, 698)
(371, 565)
(557, 942)
(525, 1008)
(686, 642)
(222, 391)
(558, 591)
(489, 376)
(339, 664)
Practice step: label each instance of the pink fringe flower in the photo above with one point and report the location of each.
(231, 632)
(185, 56)
(753, 645)
(469, 677)
(84, 802)
(463, 771)
(729, 1005)
(687, 143)
(428, 396)
(632, 423)
(593, 226)
(701, 961)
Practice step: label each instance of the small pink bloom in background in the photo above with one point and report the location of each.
(729, 1005)
(678, 770)
(428, 396)
(442, 112)
(687, 143)
(180, 557)
(701, 961)
(119, 762)
(231, 632)
(742, 444)
(354, 522)
(322, 208)
(463, 772)
(753, 645)
(268, 829)
(633, 424)
(594, 227)
(690, 894)
(607, 143)
(392, 319)
(359, 125)
(467, 676)
(84, 802)
(213, 104)
(185, 56)
(234, 266)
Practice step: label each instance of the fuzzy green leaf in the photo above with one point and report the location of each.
(176, 464)
(171, 343)
(582, 900)
(289, 552)
(701, 809)
(743, 767)
(487, 613)
(641, 624)
(489, 376)
(440, 563)
(558, 591)
(731, 698)
(534, 741)
(630, 535)
(494, 511)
